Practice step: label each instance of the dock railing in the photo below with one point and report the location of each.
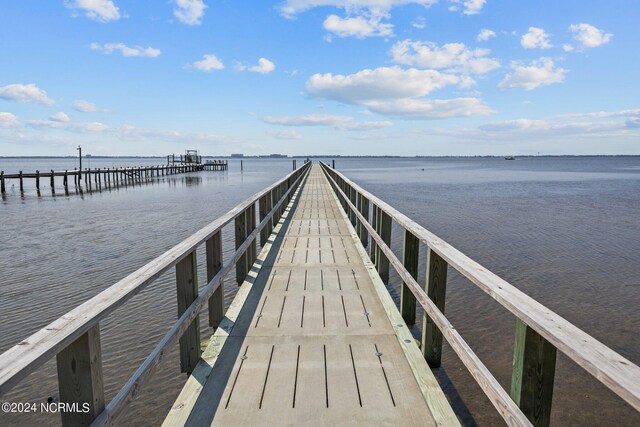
(539, 331)
(74, 338)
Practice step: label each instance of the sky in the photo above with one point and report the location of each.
(305, 77)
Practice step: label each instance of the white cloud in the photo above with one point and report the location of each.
(379, 83)
(470, 7)
(358, 26)
(86, 107)
(189, 12)
(264, 67)
(8, 120)
(397, 92)
(290, 8)
(25, 93)
(335, 121)
(98, 10)
(536, 38)
(454, 57)
(60, 117)
(485, 34)
(589, 36)
(567, 48)
(430, 109)
(291, 134)
(634, 112)
(419, 23)
(109, 48)
(208, 63)
(540, 72)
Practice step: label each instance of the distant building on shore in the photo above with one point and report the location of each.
(237, 155)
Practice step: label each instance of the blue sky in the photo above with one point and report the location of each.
(363, 77)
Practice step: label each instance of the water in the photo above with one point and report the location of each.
(565, 231)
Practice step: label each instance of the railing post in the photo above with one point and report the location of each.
(436, 288)
(80, 378)
(263, 210)
(241, 235)
(385, 233)
(410, 261)
(373, 250)
(187, 290)
(364, 210)
(534, 365)
(214, 264)
(251, 224)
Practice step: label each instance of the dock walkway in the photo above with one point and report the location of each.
(314, 344)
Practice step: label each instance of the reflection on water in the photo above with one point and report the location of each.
(564, 230)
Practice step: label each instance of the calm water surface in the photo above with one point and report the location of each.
(566, 231)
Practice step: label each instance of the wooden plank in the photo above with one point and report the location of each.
(187, 291)
(214, 264)
(436, 287)
(534, 364)
(410, 260)
(80, 378)
(610, 368)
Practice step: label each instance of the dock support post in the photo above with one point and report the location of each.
(410, 261)
(364, 210)
(214, 264)
(2, 188)
(385, 233)
(187, 290)
(241, 167)
(240, 236)
(333, 164)
(38, 181)
(534, 365)
(436, 288)
(53, 183)
(373, 250)
(80, 378)
(65, 182)
(21, 182)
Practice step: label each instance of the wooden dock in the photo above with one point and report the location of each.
(97, 179)
(312, 336)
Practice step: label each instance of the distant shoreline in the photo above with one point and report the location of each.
(317, 156)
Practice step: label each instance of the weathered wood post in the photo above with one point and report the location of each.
(410, 261)
(99, 179)
(436, 288)
(52, 183)
(240, 237)
(253, 247)
(88, 173)
(364, 210)
(2, 187)
(65, 182)
(187, 290)
(214, 264)
(38, 181)
(534, 365)
(21, 182)
(263, 210)
(80, 378)
(373, 250)
(385, 233)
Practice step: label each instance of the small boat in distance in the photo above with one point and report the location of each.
(509, 158)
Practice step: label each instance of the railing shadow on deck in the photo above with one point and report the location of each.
(74, 338)
(539, 331)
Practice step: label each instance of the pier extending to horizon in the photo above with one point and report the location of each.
(312, 336)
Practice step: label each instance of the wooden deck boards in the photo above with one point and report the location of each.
(313, 343)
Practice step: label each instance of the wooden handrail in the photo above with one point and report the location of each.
(610, 368)
(25, 357)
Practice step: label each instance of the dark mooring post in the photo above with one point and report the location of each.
(65, 182)
(21, 183)
(2, 189)
(38, 182)
(53, 183)
(241, 167)
(534, 365)
(333, 164)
